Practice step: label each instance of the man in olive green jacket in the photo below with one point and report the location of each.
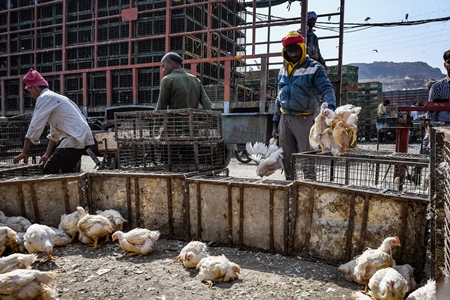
(180, 89)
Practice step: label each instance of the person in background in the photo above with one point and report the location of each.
(301, 81)
(415, 115)
(312, 41)
(440, 92)
(69, 134)
(180, 89)
(381, 110)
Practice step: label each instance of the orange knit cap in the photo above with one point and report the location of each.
(293, 37)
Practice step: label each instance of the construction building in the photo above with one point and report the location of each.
(107, 53)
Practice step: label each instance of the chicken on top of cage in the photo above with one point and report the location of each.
(335, 130)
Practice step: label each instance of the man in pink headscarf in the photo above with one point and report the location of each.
(69, 133)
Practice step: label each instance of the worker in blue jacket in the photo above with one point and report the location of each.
(301, 82)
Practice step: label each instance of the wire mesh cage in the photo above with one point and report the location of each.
(380, 171)
(12, 136)
(168, 125)
(178, 156)
(21, 171)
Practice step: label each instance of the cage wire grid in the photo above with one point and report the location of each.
(380, 171)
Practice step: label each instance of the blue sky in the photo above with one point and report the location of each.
(425, 42)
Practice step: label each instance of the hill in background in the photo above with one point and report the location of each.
(398, 76)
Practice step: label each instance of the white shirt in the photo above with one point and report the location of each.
(67, 123)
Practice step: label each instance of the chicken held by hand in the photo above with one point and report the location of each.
(319, 136)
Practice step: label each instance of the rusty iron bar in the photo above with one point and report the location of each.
(310, 209)
(37, 218)
(347, 255)
(66, 195)
(169, 205)
(241, 215)
(186, 209)
(129, 208)
(140, 222)
(21, 198)
(293, 220)
(365, 220)
(230, 214)
(271, 223)
(199, 211)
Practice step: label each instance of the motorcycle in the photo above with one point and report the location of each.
(241, 154)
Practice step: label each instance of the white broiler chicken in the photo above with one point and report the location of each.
(40, 238)
(69, 223)
(269, 158)
(388, 284)
(372, 260)
(114, 217)
(217, 269)
(348, 269)
(8, 238)
(192, 253)
(93, 226)
(16, 261)
(348, 114)
(61, 238)
(408, 273)
(340, 142)
(18, 224)
(25, 284)
(84, 238)
(137, 241)
(20, 246)
(360, 296)
(426, 292)
(319, 136)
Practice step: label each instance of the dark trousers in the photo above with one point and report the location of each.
(64, 160)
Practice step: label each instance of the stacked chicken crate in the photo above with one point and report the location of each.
(91, 53)
(369, 97)
(180, 140)
(349, 83)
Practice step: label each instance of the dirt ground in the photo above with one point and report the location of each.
(106, 273)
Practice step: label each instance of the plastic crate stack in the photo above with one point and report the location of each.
(369, 97)
(349, 85)
(180, 140)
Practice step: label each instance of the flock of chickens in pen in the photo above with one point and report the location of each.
(335, 130)
(378, 271)
(19, 235)
(374, 268)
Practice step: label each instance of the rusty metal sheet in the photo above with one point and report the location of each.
(336, 224)
(148, 200)
(243, 212)
(42, 200)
